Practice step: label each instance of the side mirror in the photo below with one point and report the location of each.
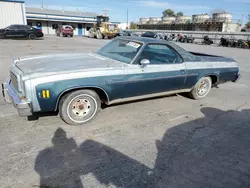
(144, 62)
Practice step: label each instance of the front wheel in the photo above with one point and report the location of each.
(79, 107)
(99, 35)
(201, 89)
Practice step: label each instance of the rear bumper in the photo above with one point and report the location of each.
(23, 106)
(39, 34)
(237, 78)
(67, 33)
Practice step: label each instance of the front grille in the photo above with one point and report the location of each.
(14, 81)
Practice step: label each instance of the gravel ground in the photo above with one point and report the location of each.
(165, 142)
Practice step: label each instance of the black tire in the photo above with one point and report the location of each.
(71, 35)
(32, 37)
(74, 112)
(197, 92)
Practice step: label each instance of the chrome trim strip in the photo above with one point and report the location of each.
(148, 79)
(148, 96)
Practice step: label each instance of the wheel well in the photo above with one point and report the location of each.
(214, 79)
(100, 92)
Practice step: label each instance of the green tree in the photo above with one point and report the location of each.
(168, 12)
(179, 14)
(248, 25)
(133, 25)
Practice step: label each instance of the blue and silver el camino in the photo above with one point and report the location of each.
(127, 68)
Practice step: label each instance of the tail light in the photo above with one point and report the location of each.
(39, 30)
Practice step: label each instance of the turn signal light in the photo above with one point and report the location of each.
(45, 94)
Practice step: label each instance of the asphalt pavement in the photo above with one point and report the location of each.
(164, 142)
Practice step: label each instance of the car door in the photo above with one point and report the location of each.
(23, 31)
(12, 31)
(166, 72)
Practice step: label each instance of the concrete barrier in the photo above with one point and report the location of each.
(198, 35)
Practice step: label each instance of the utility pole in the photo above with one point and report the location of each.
(242, 19)
(127, 18)
(42, 4)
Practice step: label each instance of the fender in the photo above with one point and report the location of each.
(77, 88)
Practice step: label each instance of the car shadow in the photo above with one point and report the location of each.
(212, 151)
(38, 115)
(17, 39)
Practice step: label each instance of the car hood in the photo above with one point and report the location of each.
(55, 63)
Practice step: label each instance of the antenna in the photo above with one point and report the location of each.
(105, 12)
(127, 17)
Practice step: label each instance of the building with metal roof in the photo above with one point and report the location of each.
(48, 20)
(12, 12)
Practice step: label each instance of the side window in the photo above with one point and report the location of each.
(22, 27)
(159, 54)
(13, 27)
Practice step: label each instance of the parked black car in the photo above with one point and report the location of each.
(21, 31)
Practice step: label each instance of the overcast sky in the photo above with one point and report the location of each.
(147, 8)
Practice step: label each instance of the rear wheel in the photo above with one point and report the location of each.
(79, 107)
(201, 89)
(32, 36)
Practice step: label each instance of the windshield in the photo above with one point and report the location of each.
(121, 50)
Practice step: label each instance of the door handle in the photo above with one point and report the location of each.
(183, 71)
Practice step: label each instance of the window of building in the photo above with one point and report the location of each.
(29, 23)
(55, 26)
(38, 24)
(88, 28)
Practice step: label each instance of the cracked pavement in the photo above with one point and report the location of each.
(164, 142)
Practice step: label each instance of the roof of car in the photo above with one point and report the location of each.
(187, 56)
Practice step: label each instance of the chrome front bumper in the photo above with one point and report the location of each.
(9, 94)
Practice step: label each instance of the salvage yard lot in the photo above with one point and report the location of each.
(164, 142)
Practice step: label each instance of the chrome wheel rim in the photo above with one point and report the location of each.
(203, 88)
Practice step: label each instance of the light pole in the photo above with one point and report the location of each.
(242, 18)
(127, 18)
